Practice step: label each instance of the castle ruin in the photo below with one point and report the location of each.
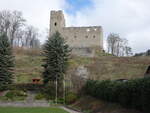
(81, 39)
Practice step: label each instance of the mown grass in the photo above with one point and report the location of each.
(31, 110)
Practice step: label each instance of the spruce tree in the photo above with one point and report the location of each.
(56, 53)
(6, 61)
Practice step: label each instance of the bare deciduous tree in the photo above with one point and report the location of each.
(118, 46)
(31, 37)
(10, 22)
(112, 41)
(13, 24)
(5, 21)
(16, 21)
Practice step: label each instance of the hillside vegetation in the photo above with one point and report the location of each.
(28, 65)
(103, 66)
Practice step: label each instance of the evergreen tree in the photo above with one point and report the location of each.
(6, 61)
(56, 53)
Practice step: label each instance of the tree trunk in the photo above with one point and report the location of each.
(56, 92)
(64, 90)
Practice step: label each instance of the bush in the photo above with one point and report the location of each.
(70, 98)
(132, 94)
(24, 87)
(28, 87)
(9, 95)
(16, 95)
(60, 100)
(49, 91)
(3, 98)
(40, 96)
(4, 87)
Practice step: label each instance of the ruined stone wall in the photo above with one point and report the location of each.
(85, 52)
(83, 36)
(24, 104)
(76, 37)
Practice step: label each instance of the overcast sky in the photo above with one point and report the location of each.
(129, 18)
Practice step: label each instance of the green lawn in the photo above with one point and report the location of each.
(30, 110)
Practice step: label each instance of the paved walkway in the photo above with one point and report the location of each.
(69, 110)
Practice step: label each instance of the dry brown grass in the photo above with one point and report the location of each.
(104, 66)
(26, 51)
(27, 64)
(109, 67)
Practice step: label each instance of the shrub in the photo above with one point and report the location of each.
(40, 96)
(24, 87)
(28, 87)
(9, 95)
(49, 91)
(70, 98)
(132, 94)
(15, 95)
(4, 87)
(3, 98)
(60, 100)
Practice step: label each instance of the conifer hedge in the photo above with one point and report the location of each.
(131, 94)
(26, 87)
(6, 61)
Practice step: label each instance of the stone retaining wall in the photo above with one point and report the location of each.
(24, 104)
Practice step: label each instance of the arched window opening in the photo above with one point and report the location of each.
(55, 24)
(75, 36)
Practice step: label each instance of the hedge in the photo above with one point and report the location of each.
(131, 94)
(47, 90)
(28, 87)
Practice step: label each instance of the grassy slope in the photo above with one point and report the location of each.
(103, 66)
(30, 110)
(110, 67)
(27, 67)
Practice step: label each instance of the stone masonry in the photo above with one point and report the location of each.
(76, 37)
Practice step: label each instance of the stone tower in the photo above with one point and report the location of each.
(57, 21)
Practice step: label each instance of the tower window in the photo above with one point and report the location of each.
(55, 24)
(94, 36)
(86, 36)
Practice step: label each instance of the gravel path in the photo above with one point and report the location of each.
(69, 110)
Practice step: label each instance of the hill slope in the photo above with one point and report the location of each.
(103, 66)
